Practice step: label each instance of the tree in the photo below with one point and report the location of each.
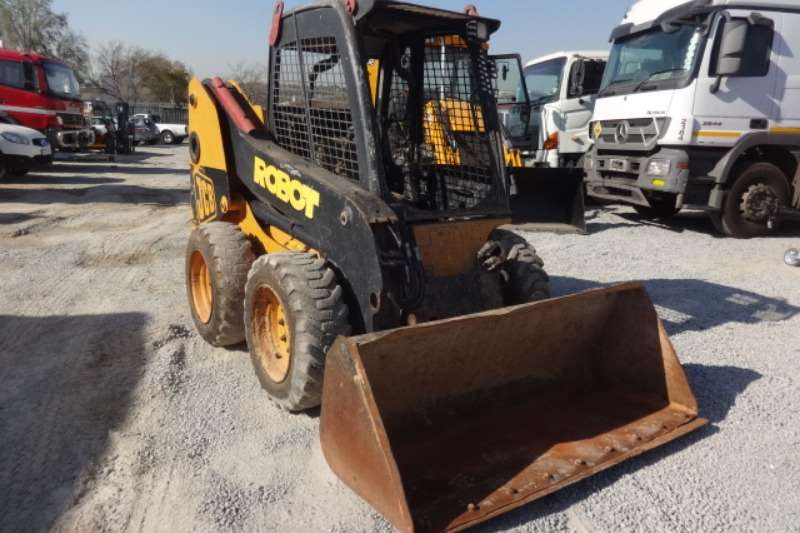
(165, 80)
(33, 26)
(135, 75)
(119, 70)
(252, 78)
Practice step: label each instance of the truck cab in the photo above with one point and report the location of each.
(43, 94)
(700, 107)
(562, 88)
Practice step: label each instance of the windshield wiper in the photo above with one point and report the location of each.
(654, 74)
(605, 91)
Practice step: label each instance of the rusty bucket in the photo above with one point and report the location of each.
(444, 425)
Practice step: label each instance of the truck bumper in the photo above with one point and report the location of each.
(75, 139)
(629, 178)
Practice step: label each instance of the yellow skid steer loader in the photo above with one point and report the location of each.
(364, 256)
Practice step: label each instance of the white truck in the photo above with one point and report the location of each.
(562, 88)
(700, 108)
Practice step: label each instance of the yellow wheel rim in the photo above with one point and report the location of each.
(202, 292)
(271, 336)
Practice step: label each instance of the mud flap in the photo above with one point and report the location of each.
(444, 425)
(549, 200)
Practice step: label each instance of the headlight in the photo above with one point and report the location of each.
(588, 163)
(658, 167)
(16, 139)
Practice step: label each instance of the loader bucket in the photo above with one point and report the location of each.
(444, 425)
(548, 200)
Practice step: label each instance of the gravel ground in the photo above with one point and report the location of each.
(115, 416)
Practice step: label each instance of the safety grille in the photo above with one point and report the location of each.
(311, 106)
(71, 120)
(457, 147)
(632, 134)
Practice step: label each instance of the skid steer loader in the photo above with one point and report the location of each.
(543, 199)
(345, 237)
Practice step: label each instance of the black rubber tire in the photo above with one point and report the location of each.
(660, 208)
(732, 221)
(526, 279)
(167, 137)
(316, 315)
(229, 256)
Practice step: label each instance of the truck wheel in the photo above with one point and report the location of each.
(660, 208)
(525, 278)
(294, 310)
(758, 192)
(218, 258)
(167, 138)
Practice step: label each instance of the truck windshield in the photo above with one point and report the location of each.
(651, 59)
(544, 80)
(61, 81)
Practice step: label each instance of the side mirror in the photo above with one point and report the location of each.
(576, 79)
(732, 46)
(738, 37)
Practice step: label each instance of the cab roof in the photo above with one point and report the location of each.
(591, 54)
(7, 53)
(402, 17)
(646, 14)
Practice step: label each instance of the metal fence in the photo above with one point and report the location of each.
(169, 113)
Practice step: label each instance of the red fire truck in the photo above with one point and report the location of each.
(44, 94)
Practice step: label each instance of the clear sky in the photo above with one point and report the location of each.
(211, 35)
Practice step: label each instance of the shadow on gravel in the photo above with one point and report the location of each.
(696, 305)
(16, 218)
(133, 194)
(35, 179)
(136, 157)
(66, 384)
(694, 222)
(106, 168)
(716, 389)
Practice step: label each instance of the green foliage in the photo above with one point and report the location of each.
(33, 26)
(136, 75)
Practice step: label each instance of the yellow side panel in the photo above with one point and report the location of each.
(204, 121)
(451, 248)
(271, 239)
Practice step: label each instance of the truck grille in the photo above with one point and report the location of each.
(632, 134)
(71, 120)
